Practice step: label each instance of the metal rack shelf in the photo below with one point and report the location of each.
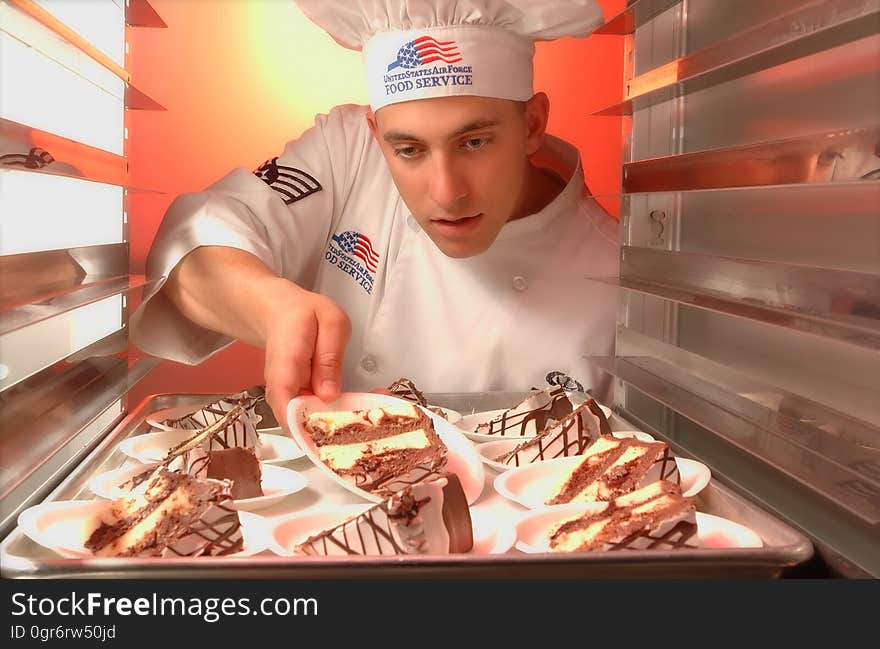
(80, 296)
(807, 159)
(850, 23)
(634, 16)
(837, 304)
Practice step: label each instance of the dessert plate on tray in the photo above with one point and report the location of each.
(490, 450)
(277, 483)
(65, 525)
(468, 425)
(285, 532)
(152, 447)
(532, 485)
(533, 529)
(462, 458)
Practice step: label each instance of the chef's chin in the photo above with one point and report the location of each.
(460, 248)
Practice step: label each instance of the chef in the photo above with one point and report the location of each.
(439, 233)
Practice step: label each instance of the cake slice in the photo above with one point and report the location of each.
(381, 450)
(174, 515)
(211, 453)
(250, 400)
(404, 388)
(612, 467)
(427, 518)
(656, 516)
(530, 416)
(571, 435)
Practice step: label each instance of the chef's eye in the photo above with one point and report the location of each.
(406, 151)
(474, 143)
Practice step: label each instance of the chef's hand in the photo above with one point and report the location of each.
(233, 292)
(305, 343)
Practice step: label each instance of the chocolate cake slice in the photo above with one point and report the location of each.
(404, 388)
(571, 435)
(236, 429)
(530, 416)
(427, 518)
(251, 400)
(174, 515)
(241, 467)
(381, 450)
(656, 516)
(612, 467)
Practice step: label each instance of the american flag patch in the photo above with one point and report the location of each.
(293, 184)
(424, 50)
(359, 245)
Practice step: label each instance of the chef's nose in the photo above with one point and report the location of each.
(448, 183)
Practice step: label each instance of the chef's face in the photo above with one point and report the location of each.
(461, 164)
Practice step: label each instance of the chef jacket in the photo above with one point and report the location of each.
(327, 215)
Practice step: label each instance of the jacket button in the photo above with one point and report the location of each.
(519, 283)
(412, 223)
(369, 364)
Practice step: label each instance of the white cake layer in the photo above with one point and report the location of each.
(344, 456)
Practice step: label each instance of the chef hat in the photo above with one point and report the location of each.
(416, 49)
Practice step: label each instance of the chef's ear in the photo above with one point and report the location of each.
(371, 122)
(537, 114)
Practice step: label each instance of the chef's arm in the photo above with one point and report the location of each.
(304, 333)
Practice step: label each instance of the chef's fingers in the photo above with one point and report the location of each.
(288, 365)
(334, 330)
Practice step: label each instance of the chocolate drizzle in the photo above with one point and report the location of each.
(569, 436)
(531, 416)
(416, 520)
(404, 388)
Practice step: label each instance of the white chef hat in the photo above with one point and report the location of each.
(416, 49)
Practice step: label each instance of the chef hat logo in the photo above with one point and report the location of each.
(424, 50)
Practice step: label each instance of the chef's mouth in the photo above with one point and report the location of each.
(457, 227)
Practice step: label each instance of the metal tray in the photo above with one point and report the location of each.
(784, 547)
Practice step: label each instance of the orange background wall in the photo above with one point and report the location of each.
(240, 78)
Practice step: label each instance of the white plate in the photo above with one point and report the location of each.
(462, 458)
(491, 536)
(64, 526)
(152, 447)
(277, 483)
(531, 485)
(468, 424)
(489, 450)
(533, 529)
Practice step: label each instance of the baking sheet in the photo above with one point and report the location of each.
(784, 547)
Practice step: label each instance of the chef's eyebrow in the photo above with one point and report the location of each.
(393, 137)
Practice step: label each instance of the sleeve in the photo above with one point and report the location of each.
(282, 213)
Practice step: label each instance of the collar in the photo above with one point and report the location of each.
(563, 159)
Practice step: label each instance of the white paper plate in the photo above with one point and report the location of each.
(462, 458)
(64, 526)
(533, 529)
(468, 424)
(531, 485)
(489, 450)
(277, 483)
(152, 447)
(491, 536)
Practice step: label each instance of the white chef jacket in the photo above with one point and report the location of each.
(327, 215)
